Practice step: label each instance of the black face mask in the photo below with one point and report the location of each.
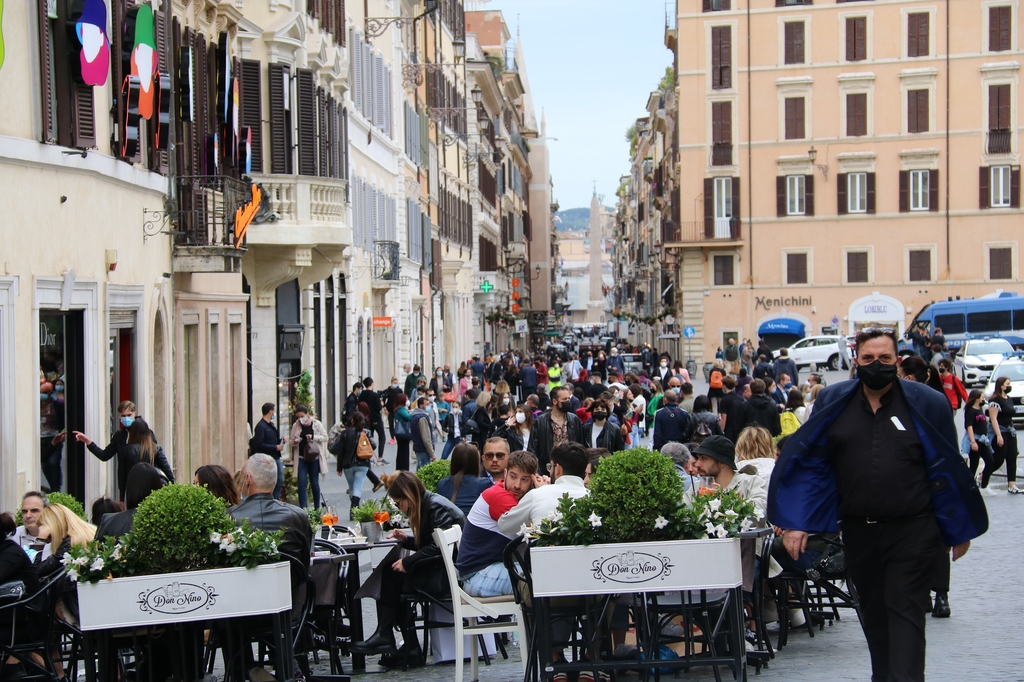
(600, 416)
(877, 376)
(564, 406)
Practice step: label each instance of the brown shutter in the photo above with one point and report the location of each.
(984, 195)
(279, 152)
(340, 24)
(871, 192)
(324, 140)
(808, 195)
(842, 203)
(904, 191)
(912, 111)
(917, 35)
(706, 7)
(726, 5)
(999, 107)
(780, 196)
(716, 57)
(861, 43)
(933, 190)
(851, 39)
(45, 73)
(709, 207)
(794, 35)
(726, 56)
(251, 109)
(1015, 187)
(84, 116)
(999, 29)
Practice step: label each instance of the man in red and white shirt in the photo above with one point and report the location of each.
(480, 553)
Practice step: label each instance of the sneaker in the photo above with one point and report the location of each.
(585, 676)
(561, 677)
(988, 492)
(391, 442)
(1015, 491)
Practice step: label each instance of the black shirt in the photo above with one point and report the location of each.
(880, 468)
(731, 405)
(976, 419)
(1004, 417)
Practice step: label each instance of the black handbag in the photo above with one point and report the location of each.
(831, 565)
(11, 591)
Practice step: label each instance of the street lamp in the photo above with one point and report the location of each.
(478, 95)
(459, 46)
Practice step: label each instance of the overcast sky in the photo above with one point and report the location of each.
(592, 65)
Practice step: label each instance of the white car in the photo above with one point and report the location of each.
(822, 351)
(976, 359)
(1012, 367)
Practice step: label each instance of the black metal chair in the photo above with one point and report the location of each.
(39, 606)
(818, 593)
(764, 651)
(330, 607)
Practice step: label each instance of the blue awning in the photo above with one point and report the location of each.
(782, 325)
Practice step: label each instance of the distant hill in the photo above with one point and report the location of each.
(574, 219)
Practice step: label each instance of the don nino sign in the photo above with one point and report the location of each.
(631, 568)
(177, 598)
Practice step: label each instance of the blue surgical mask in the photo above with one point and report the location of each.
(44, 396)
(127, 421)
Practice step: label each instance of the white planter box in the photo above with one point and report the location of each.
(636, 567)
(185, 597)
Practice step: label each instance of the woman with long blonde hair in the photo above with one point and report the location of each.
(755, 447)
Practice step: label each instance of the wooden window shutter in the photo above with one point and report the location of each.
(735, 208)
(856, 114)
(904, 191)
(794, 36)
(251, 109)
(856, 39)
(324, 136)
(49, 132)
(368, 82)
(871, 192)
(917, 35)
(795, 118)
(984, 196)
(357, 70)
(306, 104)
(933, 190)
(726, 56)
(280, 154)
(716, 57)
(709, 206)
(84, 116)
(842, 203)
(387, 101)
(707, 5)
(808, 195)
(780, 196)
(999, 28)
(999, 107)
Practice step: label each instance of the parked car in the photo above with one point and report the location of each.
(1012, 367)
(633, 362)
(822, 351)
(976, 359)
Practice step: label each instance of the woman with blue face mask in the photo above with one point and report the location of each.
(126, 414)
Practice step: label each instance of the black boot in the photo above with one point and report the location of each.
(941, 609)
(410, 655)
(353, 503)
(383, 640)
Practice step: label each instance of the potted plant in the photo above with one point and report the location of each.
(374, 517)
(634, 532)
(185, 560)
(432, 473)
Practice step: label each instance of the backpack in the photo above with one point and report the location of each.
(789, 422)
(716, 379)
(703, 431)
(364, 450)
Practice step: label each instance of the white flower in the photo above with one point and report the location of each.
(710, 527)
(660, 522)
(746, 525)
(731, 513)
(97, 565)
(595, 520)
(555, 517)
(81, 561)
(719, 514)
(714, 504)
(215, 538)
(67, 560)
(73, 575)
(720, 531)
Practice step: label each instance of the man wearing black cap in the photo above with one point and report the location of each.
(716, 457)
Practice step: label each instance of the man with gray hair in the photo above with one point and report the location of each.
(259, 476)
(683, 461)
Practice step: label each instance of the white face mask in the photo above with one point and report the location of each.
(520, 417)
(664, 364)
(304, 420)
(505, 401)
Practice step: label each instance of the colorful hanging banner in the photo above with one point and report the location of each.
(144, 60)
(1, 34)
(91, 33)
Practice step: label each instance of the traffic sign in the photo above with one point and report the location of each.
(689, 332)
(516, 296)
(515, 281)
(835, 321)
(515, 307)
(486, 286)
(521, 327)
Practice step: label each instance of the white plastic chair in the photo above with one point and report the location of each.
(468, 610)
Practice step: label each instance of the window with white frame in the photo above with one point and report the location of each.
(723, 208)
(795, 195)
(919, 190)
(999, 185)
(857, 192)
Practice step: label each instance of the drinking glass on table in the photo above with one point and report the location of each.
(330, 516)
(706, 484)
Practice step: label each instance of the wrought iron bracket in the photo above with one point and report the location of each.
(154, 222)
(412, 74)
(376, 26)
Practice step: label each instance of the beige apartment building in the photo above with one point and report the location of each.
(841, 163)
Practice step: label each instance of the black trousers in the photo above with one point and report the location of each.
(892, 564)
(378, 428)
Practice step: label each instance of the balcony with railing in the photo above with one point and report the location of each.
(999, 142)
(306, 210)
(721, 154)
(387, 263)
(704, 232)
(204, 223)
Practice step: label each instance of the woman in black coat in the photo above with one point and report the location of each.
(426, 512)
(16, 566)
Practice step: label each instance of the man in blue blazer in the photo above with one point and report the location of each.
(881, 455)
